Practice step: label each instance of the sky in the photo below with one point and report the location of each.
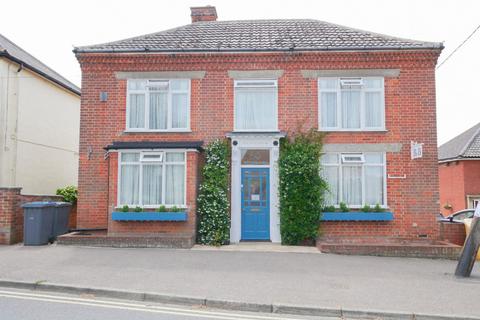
(49, 29)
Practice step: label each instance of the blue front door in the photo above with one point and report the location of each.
(255, 204)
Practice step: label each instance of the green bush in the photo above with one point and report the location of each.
(344, 207)
(69, 194)
(329, 209)
(125, 208)
(377, 208)
(162, 208)
(138, 209)
(302, 189)
(367, 208)
(213, 204)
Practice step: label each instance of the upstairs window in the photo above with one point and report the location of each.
(158, 105)
(351, 104)
(256, 105)
(356, 179)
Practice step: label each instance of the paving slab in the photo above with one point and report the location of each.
(404, 285)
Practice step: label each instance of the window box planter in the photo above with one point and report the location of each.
(149, 216)
(357, 216)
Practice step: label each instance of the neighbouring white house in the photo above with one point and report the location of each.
(39, 124)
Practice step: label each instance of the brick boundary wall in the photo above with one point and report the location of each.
(11, 213)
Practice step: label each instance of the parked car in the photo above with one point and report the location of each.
(459, 216)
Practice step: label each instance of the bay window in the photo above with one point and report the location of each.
(351, 104)
(356, 179)
(152, 178)
(158, 105)
(256, 105)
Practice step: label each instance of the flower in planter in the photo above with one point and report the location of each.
(367, 208)
(125, 208)
(162, 208)
(138, 209)
(344, 207)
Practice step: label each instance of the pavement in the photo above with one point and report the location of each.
(334, 282)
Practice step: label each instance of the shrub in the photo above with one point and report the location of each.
(213, 204)
(125, 208)
(301, 189)
(69, 194)
(377, 208)
(175, 209)
(138, 209)
(162, 208)
(367, 208)
(329, 209)
(344, 207)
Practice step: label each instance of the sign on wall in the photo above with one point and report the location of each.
(416, 150)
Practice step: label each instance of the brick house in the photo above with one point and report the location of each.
(150, 103)
(459, 171)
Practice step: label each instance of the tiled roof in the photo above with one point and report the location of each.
(259, 35)
(465, 145)
(13, 52)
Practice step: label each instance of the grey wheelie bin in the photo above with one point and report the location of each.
(60, 220)
(38, 220)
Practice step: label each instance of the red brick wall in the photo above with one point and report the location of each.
(410, 115)
(457, 180)
(472, 177)
(452, 186)
(11, 213)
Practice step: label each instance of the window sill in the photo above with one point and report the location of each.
(149, 216)
(354, 130)
(157, 131)
(357, 216)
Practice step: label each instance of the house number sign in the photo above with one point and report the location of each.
(416, 150)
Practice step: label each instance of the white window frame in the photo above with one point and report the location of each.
(164, 164)
(238, 84)
(146, 92)
(338, 91)
(340, 164)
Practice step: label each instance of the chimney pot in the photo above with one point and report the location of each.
(207, 13)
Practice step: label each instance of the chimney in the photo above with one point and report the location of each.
(207, 13)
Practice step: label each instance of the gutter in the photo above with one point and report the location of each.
(439, 46)
(41, 73)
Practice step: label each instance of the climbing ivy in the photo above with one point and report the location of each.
(213, 203)
(302, 189)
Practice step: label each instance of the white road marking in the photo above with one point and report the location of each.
(135, 307)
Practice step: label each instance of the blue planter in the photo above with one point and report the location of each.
(149, 216)
(357, 216)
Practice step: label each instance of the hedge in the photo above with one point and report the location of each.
(302, 189)
(213, 203)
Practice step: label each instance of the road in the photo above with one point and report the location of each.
(28, 305)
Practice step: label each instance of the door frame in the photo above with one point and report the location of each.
(256, 168)
(259, 140)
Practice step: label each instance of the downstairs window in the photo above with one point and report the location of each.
(151, 178)
(356, 179)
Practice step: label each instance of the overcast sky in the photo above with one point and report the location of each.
(49, 29)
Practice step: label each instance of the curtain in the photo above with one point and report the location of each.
(129, 182)
(373, 185)
(350, 108)
(152, 184)
(179, 110)
(255, 108)
(330, 174)
(329, 109)
(175, 184)
(137, 111)
(352, 185)
(373, 111)
(158, 110)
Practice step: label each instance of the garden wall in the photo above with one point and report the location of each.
(11, 213)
